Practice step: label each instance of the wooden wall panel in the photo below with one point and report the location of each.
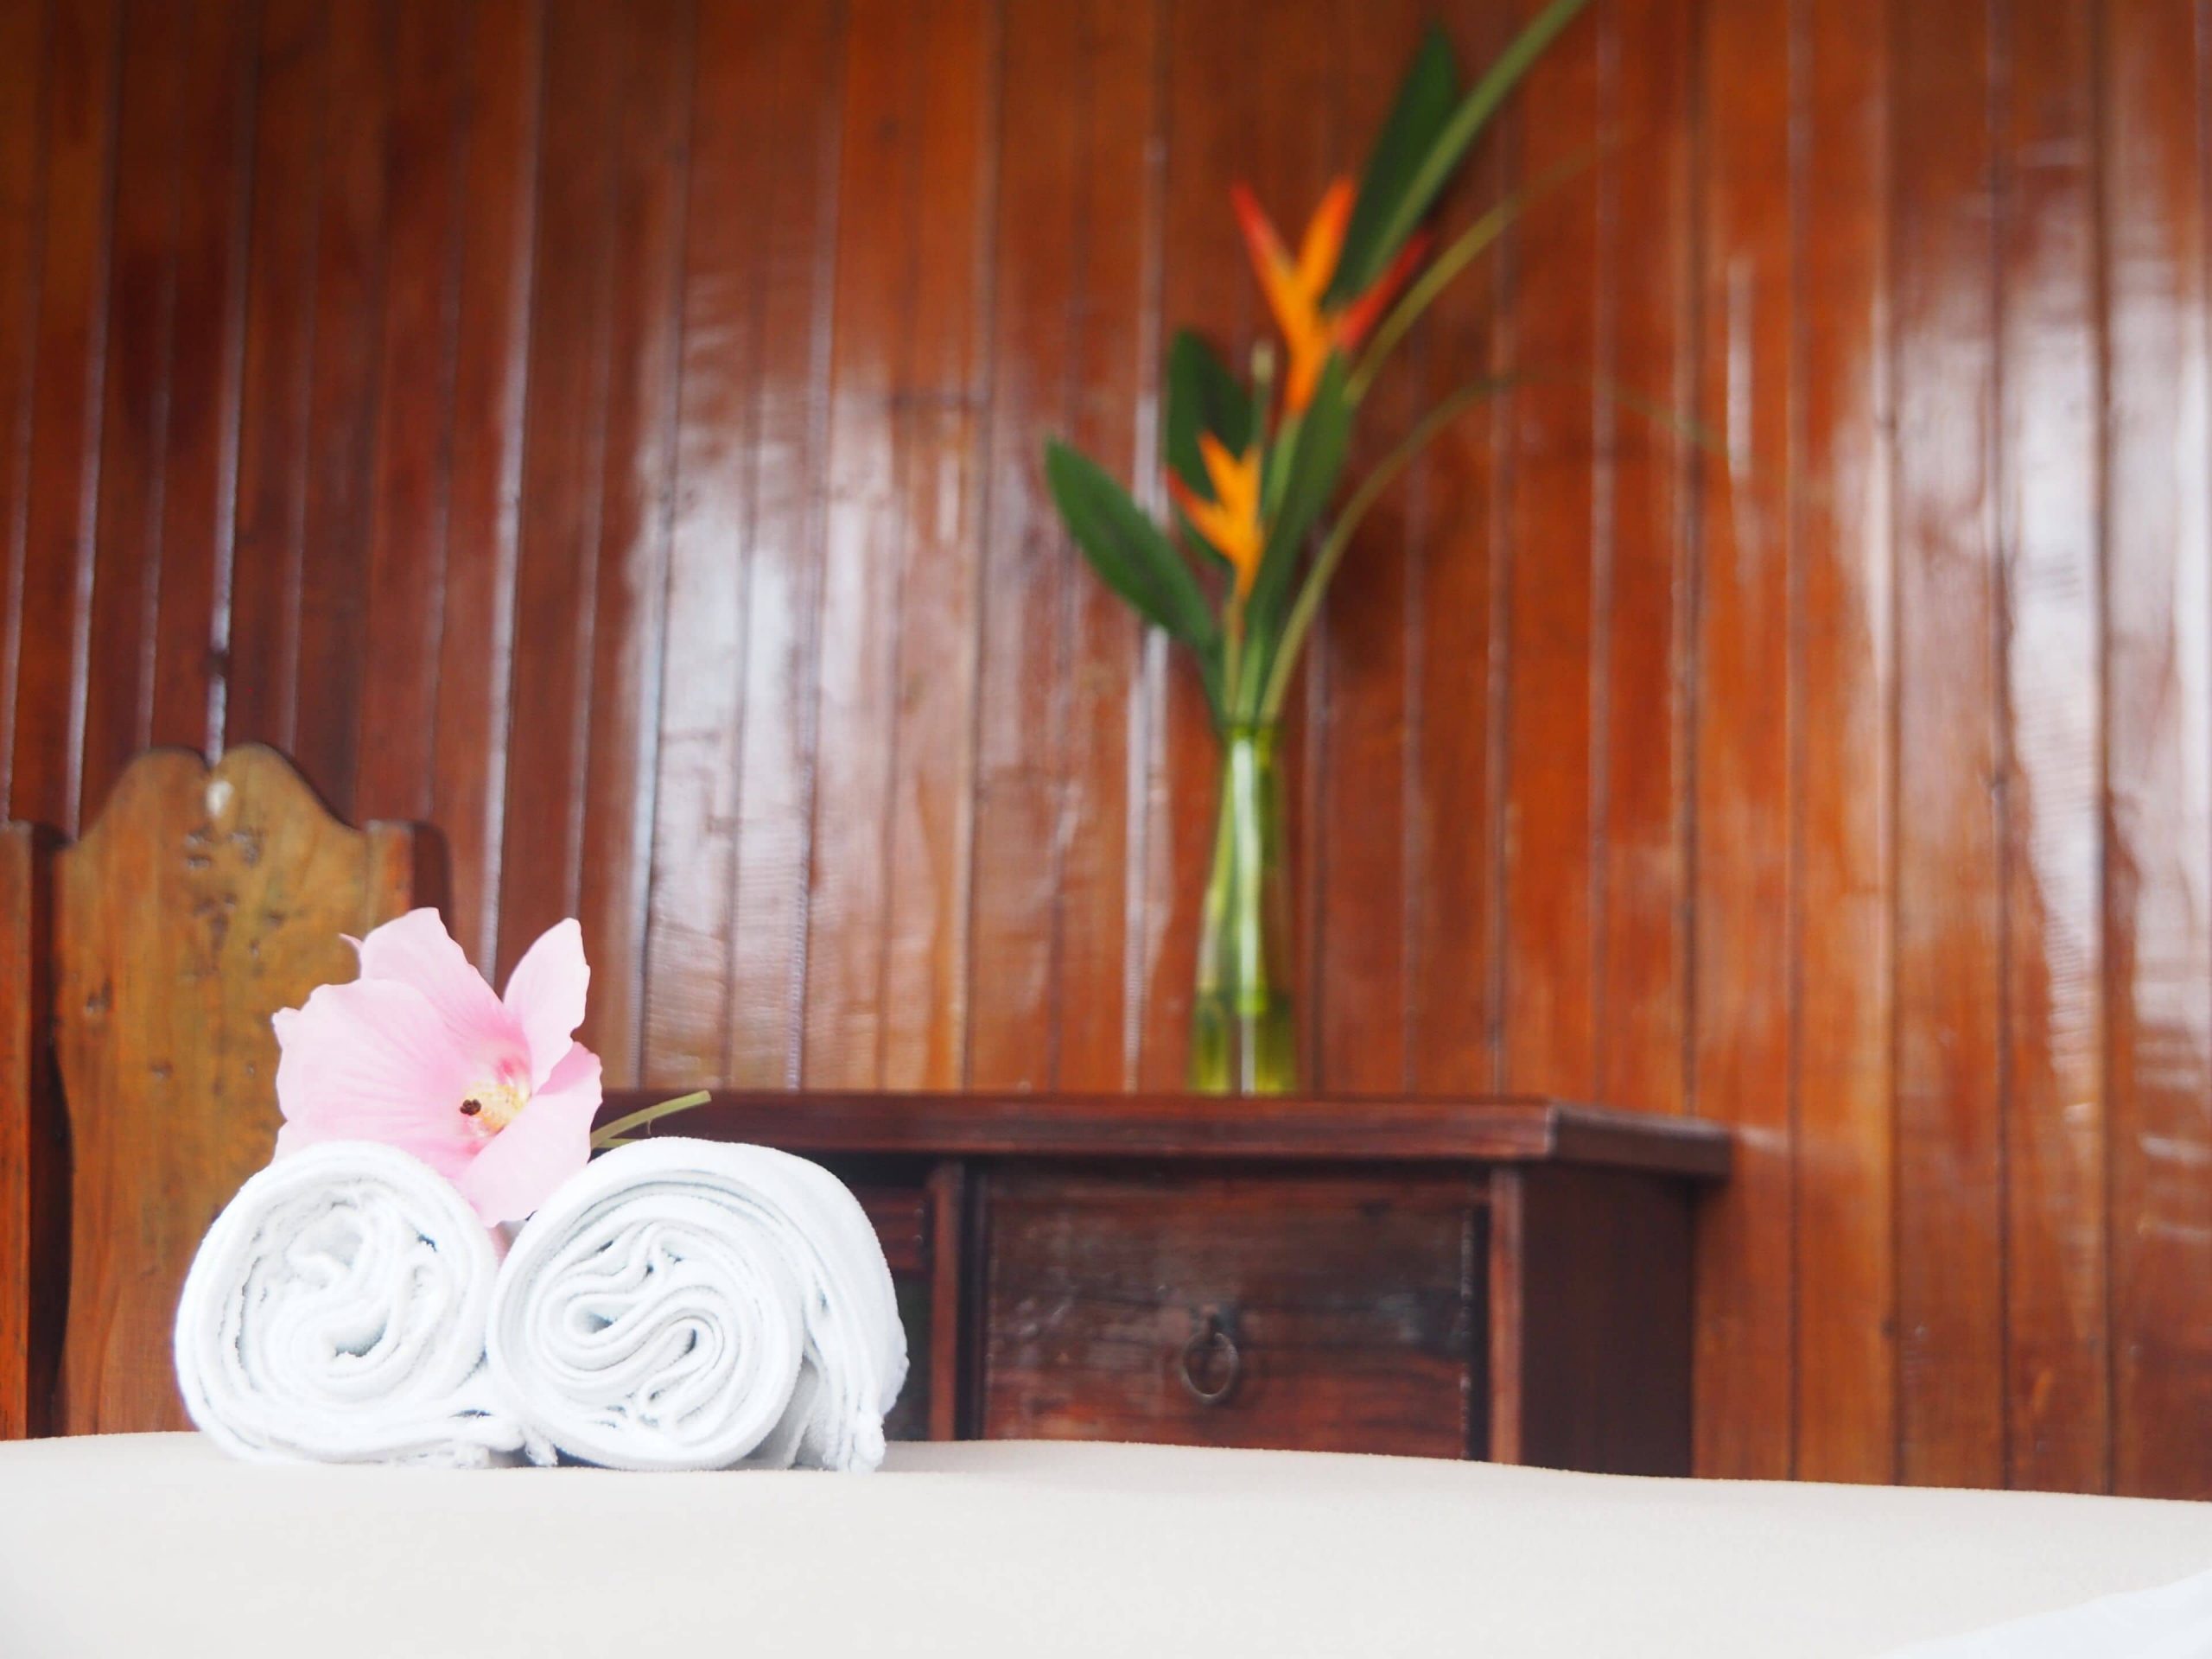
(693, 855)
(22, 223)
(53, 579)
(1454, 776)
(134, 417)
(416, 346)
(1358, 859)
(493, 303)
(206, 335)
(1843, 618)
(2158, 726)
(1740, 666)
(628, 561)
(1950, 1290)
(256, 597)
(1559, 545)
(1040, 270)
(611, 433)
(2049, 478)
(1642, 496)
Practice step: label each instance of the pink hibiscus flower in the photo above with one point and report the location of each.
(493, 1093)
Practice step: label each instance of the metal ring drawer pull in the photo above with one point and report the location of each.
(1211, 1336)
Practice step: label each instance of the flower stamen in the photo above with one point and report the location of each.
(492, 1106)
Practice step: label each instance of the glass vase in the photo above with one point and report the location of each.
(1244, 1035)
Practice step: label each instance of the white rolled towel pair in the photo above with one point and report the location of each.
(678, 1305)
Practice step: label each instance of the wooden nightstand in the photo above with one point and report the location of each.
(1489, 1277)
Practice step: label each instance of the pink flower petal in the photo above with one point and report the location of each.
(371, 1060)
(549, 1141)
(545, 997)
(417, 951)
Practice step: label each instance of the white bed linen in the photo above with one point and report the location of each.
(159, 1544)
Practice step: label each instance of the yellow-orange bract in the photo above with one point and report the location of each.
(1296, 288)
(1230, 522)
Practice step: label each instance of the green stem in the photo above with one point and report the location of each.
(1442, 270)
(1475, 109)
(1340, 535)
(610, 1135)
(1251, 962)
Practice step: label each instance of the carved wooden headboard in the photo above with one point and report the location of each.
(138, 968)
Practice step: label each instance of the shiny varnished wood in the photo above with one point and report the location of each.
(609, 432)
(1741, 658)
(2158, 729)
(201, 901)
(34, 1141)
(1372, 1129)
(1845, 1359)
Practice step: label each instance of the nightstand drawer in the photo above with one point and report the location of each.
(1262, 1310)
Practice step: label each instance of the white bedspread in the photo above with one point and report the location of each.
(143, 1544)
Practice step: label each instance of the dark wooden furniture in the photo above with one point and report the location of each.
(1508, 1279)
(138, 968)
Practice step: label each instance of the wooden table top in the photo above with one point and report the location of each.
(1492, 1128)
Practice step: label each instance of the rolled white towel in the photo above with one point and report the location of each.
(696, 1305)
(335, 1313)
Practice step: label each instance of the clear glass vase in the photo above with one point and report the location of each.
(1243, 1034)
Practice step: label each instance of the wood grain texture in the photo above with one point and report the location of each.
(207, 347)
(1111, 1300)
(887, 908)
(409, 501)
(2049, 478)
(794, 318)
(1641, 728)
(629, 564)
(1741, 969)
(1496, 1129)
(1027, 565)
(1846, 1342)
(354, 218)
(1950, 892)
(257, 588)
(34, 1140)
(1590, 1282)
(1355, 873)
(732, 176)
(1460, 666)
(611, 433)
(2158, 726)
(1557, 544)
(492, 300)
(201, 901)
(22, 214)
(53, 576)
(587, 54)
(126, 554)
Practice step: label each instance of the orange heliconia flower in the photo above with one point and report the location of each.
(1230, 522)
(1295, 288)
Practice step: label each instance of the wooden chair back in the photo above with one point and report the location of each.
(138, 970)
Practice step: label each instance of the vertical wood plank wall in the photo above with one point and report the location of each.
(609, 433)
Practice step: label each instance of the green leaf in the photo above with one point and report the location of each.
(1129, 552)
(1467, 121)
(1310, 475)
(1423, 105)
(1203, 396)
